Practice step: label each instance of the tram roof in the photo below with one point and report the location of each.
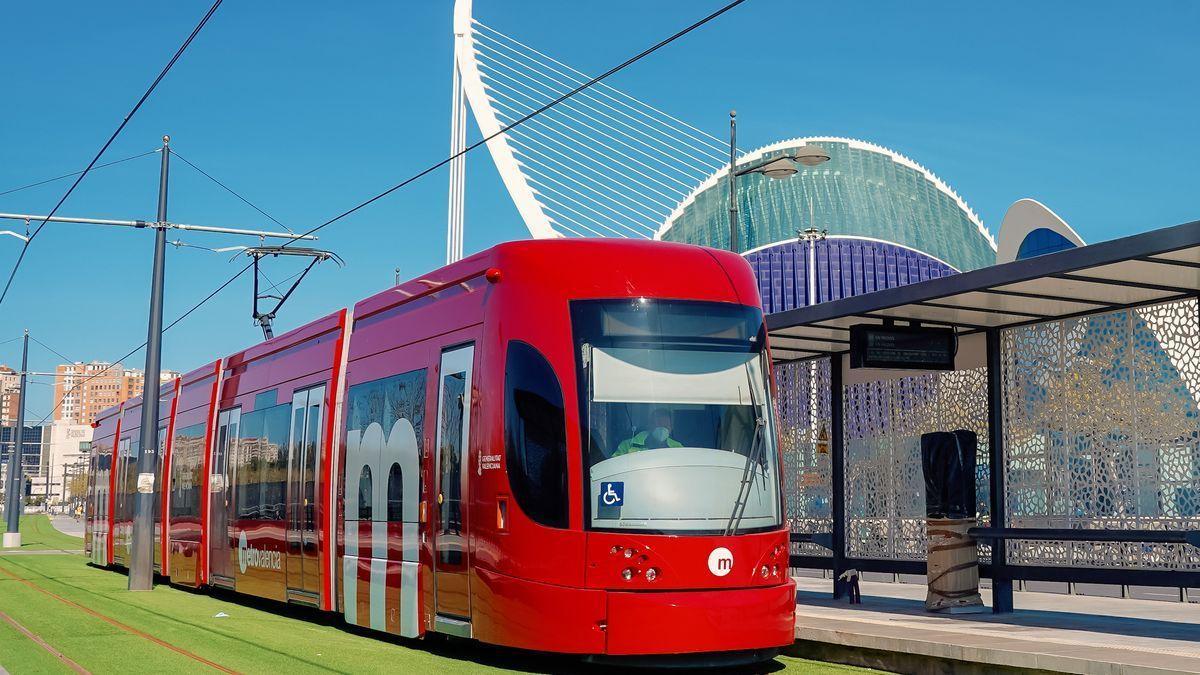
(1157, 266)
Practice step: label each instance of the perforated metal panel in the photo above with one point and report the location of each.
(1102, 430)
(803, 421)
(885, 490)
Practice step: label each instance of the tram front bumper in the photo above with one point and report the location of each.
(680, 622)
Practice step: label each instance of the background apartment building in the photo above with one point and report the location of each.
(10, 395)
(87, 389)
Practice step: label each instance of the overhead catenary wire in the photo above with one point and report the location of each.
(142, 346)
(247, 202)
(121, 127)
(76, 173)
(424, 172)
(52, 350)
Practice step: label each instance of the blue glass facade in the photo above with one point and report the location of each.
(845, 266)
(1042, 241)
(31, 447)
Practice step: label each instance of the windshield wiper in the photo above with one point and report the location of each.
(752, 460)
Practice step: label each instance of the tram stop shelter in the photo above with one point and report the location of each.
(1080, 372)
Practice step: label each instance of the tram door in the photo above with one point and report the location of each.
(451, 589)
(220, 504)
(304, 451)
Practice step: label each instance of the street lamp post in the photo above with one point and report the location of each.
(782, 166)
(733, 238)
(812, 235)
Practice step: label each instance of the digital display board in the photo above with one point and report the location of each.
(902, 347)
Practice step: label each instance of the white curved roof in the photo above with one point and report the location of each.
(1023, 217)
(853, 143)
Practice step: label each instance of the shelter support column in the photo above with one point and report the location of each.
(837, 451)
(1002, 585)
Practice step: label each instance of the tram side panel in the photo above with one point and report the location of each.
(266, 494)
(190, 436)
(125, 482)
(162, 477)
(403, 557)
(98, 526)
(380, 491)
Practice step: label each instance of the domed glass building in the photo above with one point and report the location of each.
(889, 222)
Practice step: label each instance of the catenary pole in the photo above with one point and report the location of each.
(12, 507)
(733, 209)
(141, 566)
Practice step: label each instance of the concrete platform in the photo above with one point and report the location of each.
(1047, 632)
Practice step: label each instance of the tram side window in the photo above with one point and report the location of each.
(365, 494)
(385, 403)
(187, 466)
(262, 463)
(535, 435)
(395, 494)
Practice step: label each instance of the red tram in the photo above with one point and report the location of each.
(563, 446)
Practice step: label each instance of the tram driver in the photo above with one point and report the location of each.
(657, 436)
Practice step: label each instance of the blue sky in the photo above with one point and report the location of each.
(307, 108)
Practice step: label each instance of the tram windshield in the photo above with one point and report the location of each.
(678, 431)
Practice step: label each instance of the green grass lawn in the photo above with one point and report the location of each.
(37, 534)
(252, 638)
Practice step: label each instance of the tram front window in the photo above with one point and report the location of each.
(678, 430)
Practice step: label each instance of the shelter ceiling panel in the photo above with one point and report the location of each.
(810, 332)
(1021, 303)
(808, 345)
(958, 317)
(1190, 254)
(845, 322)
(792, 354)
(1150, 273)
(1108, 294)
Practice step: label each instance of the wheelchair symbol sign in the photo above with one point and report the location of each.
(612, 494)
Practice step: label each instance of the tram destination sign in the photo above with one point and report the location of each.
(902, 347)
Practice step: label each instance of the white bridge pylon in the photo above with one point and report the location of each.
(600, 164)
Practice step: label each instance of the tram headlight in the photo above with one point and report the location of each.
(626, 574)
(764, 571)
(651, 574)
(629, 553)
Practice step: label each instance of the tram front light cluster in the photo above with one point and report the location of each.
(773, 565)
(635, 564)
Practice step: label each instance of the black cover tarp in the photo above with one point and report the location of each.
(948, 462)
